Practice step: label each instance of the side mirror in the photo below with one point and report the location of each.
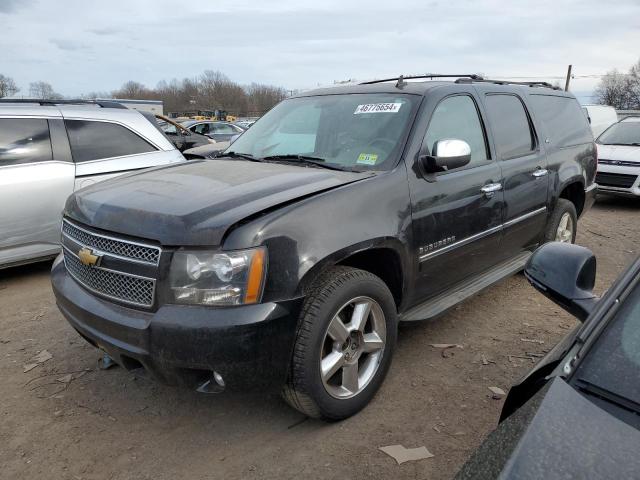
(447, 154)
(566, 274)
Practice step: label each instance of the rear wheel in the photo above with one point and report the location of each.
(345, 340)
(562, 226)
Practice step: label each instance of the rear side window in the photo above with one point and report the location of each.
(564, 118)
(510, 125)
(92, 140)
(24, 140)
(223, 128)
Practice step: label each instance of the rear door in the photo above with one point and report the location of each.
(525, 177)
(457, 213)
(36, 177)
(102, 150)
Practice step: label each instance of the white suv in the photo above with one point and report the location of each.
(619, 158)
(49, 149)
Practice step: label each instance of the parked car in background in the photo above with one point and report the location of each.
(600, 117)
(211, 150)
(619, 158)
(577, 413)
(244, 124)
(182, 138)
(287, 262)
(48, 150)
(219, 131)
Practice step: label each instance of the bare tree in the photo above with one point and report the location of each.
(134, 90)
(42, 90)
(262, 98)
(621, 91)
(7, 86)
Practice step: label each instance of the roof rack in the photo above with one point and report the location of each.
(401, 78)
(507, 82)
(100, 103)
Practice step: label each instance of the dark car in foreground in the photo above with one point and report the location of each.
(577, 414)
(288, 261)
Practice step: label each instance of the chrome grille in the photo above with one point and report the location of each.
(121, 248)
(120, 286)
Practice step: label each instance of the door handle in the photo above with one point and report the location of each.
(490, 189)
(539, 172)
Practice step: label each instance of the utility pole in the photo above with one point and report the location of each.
(566, 85)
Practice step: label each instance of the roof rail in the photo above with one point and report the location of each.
(401, 78)
(100, 103)
(507, 82)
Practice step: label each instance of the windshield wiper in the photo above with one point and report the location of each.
(303, 159)
(608, 396)
(246, 156)
(632, 144)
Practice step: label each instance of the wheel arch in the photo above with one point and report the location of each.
(573, 190)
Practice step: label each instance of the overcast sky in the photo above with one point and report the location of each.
(81, 45)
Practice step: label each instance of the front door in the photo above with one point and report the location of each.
(35, 181)
(524, 170)
(457, 214)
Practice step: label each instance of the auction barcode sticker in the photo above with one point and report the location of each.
(378, 108)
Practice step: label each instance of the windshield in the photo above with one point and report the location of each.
(613, 363)
(354, 131)
(623, 133)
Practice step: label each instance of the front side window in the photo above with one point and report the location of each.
(347, 131)
(457, 118)
(510, 125)
(622, 133)
(24, 140)
(93, 140)
(224, 128)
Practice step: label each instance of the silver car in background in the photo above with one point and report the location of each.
(49, 149)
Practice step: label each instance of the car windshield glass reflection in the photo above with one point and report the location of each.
(363, 131)
(613, 364)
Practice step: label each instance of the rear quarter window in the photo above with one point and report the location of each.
(564, 119)
(94, 140)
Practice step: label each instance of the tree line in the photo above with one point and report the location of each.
(212, 90)
(620, 90)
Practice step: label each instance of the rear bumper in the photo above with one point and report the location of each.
(249, 346)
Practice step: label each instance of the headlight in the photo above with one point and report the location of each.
(217, 278)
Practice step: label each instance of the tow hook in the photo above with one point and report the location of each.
(215, 384)
(106, 362)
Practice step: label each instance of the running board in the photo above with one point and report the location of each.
(443, 302)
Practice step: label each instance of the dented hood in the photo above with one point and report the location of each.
(195, 203)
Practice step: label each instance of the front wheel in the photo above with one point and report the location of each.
(562, 226)
(346, 337)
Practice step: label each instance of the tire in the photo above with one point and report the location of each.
(335, 296)
(565, 209)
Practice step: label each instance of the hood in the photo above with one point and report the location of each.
(195, 203)
(627, 153)
(207, 150)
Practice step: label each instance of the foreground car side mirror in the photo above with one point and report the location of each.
(447, 154)
(566, 274)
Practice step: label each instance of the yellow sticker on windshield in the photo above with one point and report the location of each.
(367, 158)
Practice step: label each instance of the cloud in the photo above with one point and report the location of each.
(69, 45)
(105, 30)
(11, 6)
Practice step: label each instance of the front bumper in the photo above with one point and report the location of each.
(249, 346)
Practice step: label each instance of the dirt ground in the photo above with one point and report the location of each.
(66, 419)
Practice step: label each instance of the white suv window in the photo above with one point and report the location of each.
(92, 140)
(24, 140)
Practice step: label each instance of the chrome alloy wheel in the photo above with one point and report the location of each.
(353, 347)
(565, 229)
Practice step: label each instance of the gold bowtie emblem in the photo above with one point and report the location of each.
(87, 257)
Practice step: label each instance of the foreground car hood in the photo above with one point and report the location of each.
(558, 434)
(195, 203)
(619, 152)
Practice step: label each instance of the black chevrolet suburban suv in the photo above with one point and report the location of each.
(288, 261)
